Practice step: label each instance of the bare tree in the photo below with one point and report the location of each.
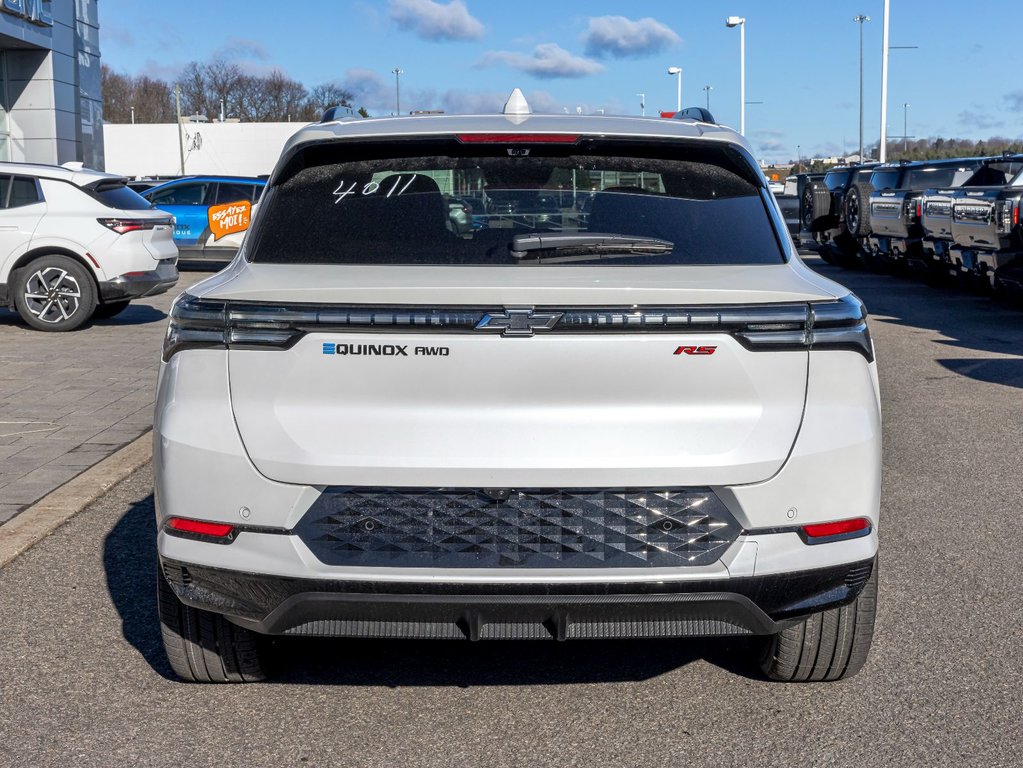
(205, 87)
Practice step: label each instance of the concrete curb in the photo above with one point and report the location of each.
(27, 529)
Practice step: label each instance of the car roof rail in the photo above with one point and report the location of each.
(339, 112)
(699, 114)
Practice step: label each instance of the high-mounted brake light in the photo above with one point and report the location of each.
(840, 530)
(124, 226)
(517, 138)
(183, 525)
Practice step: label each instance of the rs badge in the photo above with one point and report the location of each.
(695, 350)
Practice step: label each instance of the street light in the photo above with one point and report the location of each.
(860, 18)
(707, 89)
(905, 128)
(397, 89)
(642, 103)
(740, 22)
(799, 158)
(677, 71)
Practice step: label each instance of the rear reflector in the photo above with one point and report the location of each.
(820, 533)
(200, 527)
(517, 138)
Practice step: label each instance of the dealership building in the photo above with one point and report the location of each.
(51, 108)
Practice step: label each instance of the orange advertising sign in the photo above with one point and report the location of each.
(229, 218)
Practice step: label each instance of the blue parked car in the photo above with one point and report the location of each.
(189, 199)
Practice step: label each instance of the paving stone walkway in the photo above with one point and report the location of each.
(69, 400)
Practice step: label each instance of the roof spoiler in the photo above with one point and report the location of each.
(697, 114)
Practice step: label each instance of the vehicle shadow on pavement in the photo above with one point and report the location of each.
(413, 663)
(999, 370)
(139, 314)
(129, 561)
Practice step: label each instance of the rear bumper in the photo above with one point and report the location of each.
(140, 284)
(754, 605)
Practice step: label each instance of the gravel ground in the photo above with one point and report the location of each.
(83, 680)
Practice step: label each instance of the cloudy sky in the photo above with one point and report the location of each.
(802, 58)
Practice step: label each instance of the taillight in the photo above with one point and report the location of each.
(197, 323)
(839, 324)
(124, 226)
(919, 210)
(840, 530)
(220, 533)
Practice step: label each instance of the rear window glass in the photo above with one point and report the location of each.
(836, 179)
(993, 174)
(931, 178)
(123, 198)
(885, 180)
(467, 204)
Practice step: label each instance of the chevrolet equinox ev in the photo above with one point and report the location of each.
(642, 416)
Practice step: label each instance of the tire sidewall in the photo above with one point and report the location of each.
(86, 286)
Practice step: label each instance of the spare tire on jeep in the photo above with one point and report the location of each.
(857, 208)
(817, 215)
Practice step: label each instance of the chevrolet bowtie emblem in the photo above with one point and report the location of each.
(518, 322)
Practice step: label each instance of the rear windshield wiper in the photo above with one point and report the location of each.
(553, 247)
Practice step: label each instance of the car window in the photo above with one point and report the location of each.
(257, 192)
(836, 180)
(931, 178)
(121, 197)
(384, 208)
(196, 193)
(232, 192)
(5, 188)
(24, 191)
(885, 180)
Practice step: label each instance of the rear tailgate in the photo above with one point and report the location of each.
(973, 220)
(888, 214)
(437, 410)
(571, 406)
(936, 213)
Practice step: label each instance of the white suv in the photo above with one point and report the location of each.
(77, 244)
(640, 417)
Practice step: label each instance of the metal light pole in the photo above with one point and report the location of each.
(905, 128)
(860, 18)
(677, 71)
(642, 104)
(707, 89)
(740, 22)
(799, 158)
(883, 148)
(397, 89)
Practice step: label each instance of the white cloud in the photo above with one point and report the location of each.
(436, 21)
(621, 38)
(547, 61)
(771, 145)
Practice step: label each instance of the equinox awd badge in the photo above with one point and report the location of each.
(382, 350)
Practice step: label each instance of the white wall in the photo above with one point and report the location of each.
(235, 149)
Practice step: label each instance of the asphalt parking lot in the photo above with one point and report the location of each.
(83, 680)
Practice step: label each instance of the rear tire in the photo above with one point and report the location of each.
(204, 647)
(831, 645)
(54, 293)
(110, 309)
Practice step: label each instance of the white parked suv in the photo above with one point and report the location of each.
(651, 420)
(77, 243)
